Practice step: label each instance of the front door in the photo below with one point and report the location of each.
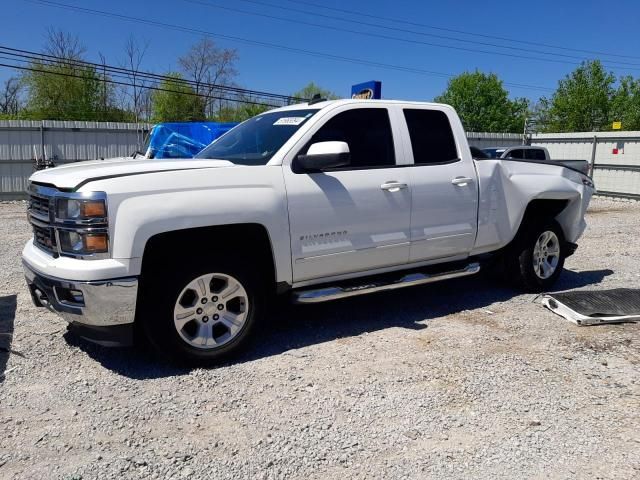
(355, 218)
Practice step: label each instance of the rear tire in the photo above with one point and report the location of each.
(199, 312)
(536, 258)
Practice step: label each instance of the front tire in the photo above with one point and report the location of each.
(536, 258)
(199, 313)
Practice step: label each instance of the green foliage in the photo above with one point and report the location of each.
(483, 104)
(176, 101)
(311, 89)
(239, 113)
(65, 92)
(582, 101)
(625, 104)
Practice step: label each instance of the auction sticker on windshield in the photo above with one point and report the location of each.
(290, 121)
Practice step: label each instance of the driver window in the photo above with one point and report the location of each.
(367, 131)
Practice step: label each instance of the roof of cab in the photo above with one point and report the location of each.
(347, 101)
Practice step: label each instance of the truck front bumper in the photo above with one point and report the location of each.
(101, 311)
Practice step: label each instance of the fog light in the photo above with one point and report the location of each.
(69, 296)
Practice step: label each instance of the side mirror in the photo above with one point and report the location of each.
(323, 155)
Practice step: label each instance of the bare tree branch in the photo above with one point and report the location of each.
(63, 44)
(209, 66)
(134, 55)
(10, 100)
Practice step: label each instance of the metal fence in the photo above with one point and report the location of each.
(614, 156)
(22, 142)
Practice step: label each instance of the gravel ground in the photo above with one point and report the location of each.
(464, 379)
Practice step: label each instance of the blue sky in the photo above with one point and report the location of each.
(611, 28)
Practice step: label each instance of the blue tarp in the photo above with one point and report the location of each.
(183, 140)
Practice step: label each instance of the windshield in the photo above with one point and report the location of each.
(255, 141)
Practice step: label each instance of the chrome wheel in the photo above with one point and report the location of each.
(211, 310)
(546, 254)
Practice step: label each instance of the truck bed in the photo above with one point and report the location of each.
(581, 166)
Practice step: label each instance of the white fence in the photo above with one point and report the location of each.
(614, 156)
(22, 142)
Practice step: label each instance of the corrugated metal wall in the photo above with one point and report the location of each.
(21, 141)
(614, 155)
(486, 140)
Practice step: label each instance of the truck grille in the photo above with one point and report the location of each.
(40, 219)
(45, 238)
(39, 207)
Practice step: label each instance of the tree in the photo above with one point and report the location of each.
(63, 45)
(625, 104)
(10, 98)
(64, 88)
(583, 100)
(209, 67)
(176, 101)
(483, 104)
(240, 112)
(308, 91)
(134, 55)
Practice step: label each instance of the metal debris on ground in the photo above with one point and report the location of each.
(596, 307)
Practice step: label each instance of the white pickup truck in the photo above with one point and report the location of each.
(319, 201)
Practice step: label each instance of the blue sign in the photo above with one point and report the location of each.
(367, 90)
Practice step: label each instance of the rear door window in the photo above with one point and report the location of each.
(431, 137)
(517, 153)
(536, 154)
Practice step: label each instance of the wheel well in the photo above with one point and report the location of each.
(542, 209)
(251, 240)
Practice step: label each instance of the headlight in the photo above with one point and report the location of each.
(83, 243)
(81, 209)
(81, 224)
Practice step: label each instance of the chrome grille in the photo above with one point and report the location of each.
(39, 207)
(45, 238)
(39, 215)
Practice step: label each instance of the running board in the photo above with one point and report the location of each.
(325, 294)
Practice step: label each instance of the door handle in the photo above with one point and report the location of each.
(462, 181)
(393, 186)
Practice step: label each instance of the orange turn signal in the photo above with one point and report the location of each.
(93, 209)
(97, 242)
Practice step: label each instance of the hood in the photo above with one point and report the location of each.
(73, 175)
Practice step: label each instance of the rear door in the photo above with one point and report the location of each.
(356, 218)
(444, 186)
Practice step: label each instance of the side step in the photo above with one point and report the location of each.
(327, 293)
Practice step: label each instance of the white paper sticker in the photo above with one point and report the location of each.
(290, 120)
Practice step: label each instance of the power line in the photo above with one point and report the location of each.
(116, 82)
(127, 82)
(301, 51)
(34, 56)
(463, 32)
(622, 65)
